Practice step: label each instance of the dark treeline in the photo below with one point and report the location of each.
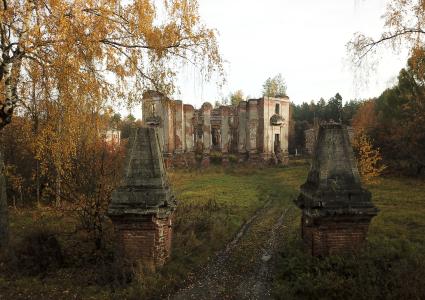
(394, 122)
(306, 114)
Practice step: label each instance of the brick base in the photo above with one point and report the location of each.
(334, 235)
(146, 239)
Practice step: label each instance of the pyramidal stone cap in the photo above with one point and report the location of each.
(145, 188)
(333, 184)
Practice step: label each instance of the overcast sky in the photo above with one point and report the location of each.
(305, 40)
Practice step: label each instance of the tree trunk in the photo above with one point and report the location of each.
(37, 174)
(4, 215)
(58, 191)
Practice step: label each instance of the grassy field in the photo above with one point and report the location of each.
(391, 267)
(213, 204)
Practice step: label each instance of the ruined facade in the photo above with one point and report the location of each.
(255, 130)
(336, 210)
(142, 208)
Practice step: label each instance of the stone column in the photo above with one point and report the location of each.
(141, 209)
(242, 130)
(189, 132)
(252, 132)
(225, 134)
(206, 128)
(179, 128)
(169, 123)
(336, 210)
(179, 135)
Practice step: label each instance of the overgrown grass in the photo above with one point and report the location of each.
(213, 204)
(391, 267)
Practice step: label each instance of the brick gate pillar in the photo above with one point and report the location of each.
(336, 210)
(142, 208)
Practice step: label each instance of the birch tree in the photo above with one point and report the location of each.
(404, 27)
(84, 52)
(141, 40)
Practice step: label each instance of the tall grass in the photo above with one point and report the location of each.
(213, 204)
(391, 267)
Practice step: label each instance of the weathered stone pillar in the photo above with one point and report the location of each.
(179, 133)
(142, 208)
(206, 133)
(252, 132)
(179, 128)
(4, 215)
(189, 138)
(225, 134)
(189, 128)
(242, 131)
(336, 210)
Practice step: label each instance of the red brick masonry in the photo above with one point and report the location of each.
(146, 239)
(334, 235)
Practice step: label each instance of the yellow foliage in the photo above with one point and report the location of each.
(369, 159)
(72, 47)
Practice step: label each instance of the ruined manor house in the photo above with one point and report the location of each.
(255, 130)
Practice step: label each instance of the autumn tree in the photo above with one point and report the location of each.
(274, 87)
(401, 116)
(365, 119)
(369, 158)
(396, 119)
(92, 39)
(404, 26)
(60, 59)
(89, 182)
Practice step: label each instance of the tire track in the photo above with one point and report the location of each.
(218, 280)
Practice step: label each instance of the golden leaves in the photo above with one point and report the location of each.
(369, 158)
(71, 48)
